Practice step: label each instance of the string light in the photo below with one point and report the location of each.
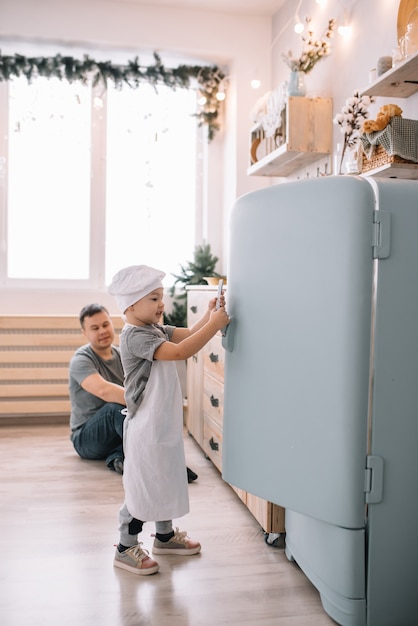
(255, 83)
(299, 27)
(344, 31)
(97, 102)
(220, 92)
(220, 95)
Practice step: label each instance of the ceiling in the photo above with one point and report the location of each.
(237, 7)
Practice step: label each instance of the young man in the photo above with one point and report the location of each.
(96, 391)
(97, 394)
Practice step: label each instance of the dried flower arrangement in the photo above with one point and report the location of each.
(313, 49)
(351, 119)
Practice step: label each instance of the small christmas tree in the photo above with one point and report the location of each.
(193, 273)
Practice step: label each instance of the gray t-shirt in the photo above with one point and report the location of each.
(84, 363)
(137, 347)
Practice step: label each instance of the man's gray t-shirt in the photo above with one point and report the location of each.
(84, 363)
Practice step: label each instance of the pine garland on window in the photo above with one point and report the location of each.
(133, 74)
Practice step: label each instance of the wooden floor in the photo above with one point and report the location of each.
(58, 523)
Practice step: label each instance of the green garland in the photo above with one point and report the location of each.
(65, 67)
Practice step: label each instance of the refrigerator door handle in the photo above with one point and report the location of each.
(228, 336)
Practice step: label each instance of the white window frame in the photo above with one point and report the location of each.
(96, 281)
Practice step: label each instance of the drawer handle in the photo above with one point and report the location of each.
(213, 444)
(214, 357)
(193, 309)
(214, 401)
(194, 358)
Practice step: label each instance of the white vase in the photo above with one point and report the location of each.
(296, 85)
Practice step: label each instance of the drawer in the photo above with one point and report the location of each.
(214, 357)
(212, 441)
(213, 399)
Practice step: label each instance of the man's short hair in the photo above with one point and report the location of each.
(89, 310)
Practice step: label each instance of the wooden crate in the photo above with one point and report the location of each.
(307, 137)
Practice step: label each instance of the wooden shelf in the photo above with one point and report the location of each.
(395, 170)
(399, 82)
(284, 161)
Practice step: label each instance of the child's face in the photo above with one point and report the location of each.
(148, 310)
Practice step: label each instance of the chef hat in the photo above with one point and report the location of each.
(132, 283)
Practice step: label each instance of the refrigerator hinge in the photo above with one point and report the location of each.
(381, 234)
(373, 479)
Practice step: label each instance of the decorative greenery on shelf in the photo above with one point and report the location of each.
(193, 273)
(208, 78)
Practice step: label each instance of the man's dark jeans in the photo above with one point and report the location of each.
(101, 437)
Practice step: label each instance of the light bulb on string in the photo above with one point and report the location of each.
(344, 31)
(255, 83)
(98, 102)
(299, 27)
(220, 94)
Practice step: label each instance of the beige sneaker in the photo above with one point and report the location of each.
(179, 544)
(136, 560)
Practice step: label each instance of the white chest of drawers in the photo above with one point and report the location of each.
(205, 407)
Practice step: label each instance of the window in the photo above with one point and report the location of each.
(48, 180)
(96, 180)
(151, 174)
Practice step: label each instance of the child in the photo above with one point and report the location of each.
(155, 477)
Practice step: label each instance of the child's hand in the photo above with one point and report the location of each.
(220, 317)
(212, 303)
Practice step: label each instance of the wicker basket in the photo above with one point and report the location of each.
(381, 157)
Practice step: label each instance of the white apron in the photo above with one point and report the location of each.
(154, 474)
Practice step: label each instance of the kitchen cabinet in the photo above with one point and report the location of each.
(193, 418)
(304, 136)
(205, 407)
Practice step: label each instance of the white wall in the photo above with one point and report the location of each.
(241, 43)
(374, 34)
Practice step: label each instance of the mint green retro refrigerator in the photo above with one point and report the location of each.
(321, 383)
